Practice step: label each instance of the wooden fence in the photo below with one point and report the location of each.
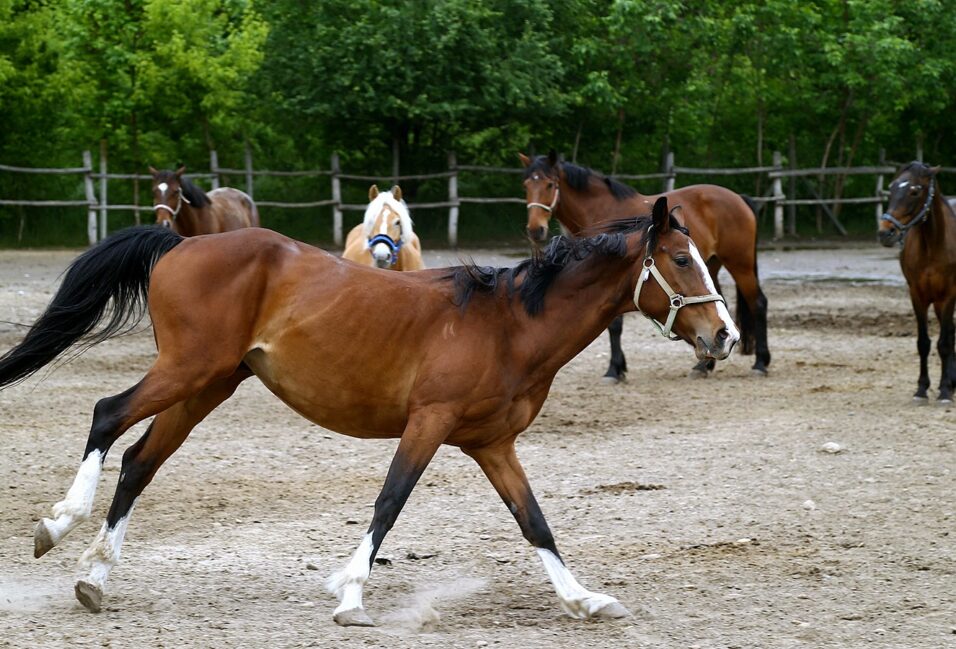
(98, 205)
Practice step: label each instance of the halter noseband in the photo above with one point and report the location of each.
(677, 301)
(393, 246)
(922, 216)
(180, 199)
(554, 201)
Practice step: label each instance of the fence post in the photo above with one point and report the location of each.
(214, 169)
(90, 197)
(337, 201)
(671, 176)
(777, 196)
(103, 184)
(792, 190)
(248, 156)
(879, 190)
(453, 199)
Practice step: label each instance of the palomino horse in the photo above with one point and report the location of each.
(189, 211)
(385, 238)
(465, 358)
(922, 221)
(721, 223)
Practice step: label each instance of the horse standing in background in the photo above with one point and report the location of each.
(189, 211)
(385, 238)
(921, 220)
(721, 223)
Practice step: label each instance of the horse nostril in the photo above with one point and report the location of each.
(538, 233)
(722, 337)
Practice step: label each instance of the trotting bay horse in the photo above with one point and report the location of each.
(478, 349)
(190, 211)
(923, 222)
(720, 222)
(385, 238)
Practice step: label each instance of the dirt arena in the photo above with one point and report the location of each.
(706, 506)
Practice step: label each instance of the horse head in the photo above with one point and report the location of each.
(673, 289)
(541, 186)
(911, 200)
(387, 223)
(167, 195)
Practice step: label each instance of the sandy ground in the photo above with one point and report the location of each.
(705, 506)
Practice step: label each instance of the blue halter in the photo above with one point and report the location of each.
(393, 246)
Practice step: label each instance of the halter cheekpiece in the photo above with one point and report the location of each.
(180, 199)
(677, 301)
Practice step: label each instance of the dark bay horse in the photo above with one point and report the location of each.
(189, 211)
(922, 221)
(721, 223)
(465, 358)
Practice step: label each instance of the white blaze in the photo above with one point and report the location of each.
(709, 283)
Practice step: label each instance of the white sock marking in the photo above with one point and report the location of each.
(104, 552)
(575, 599)
(78, 504)
(347, 584)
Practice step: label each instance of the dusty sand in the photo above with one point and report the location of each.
(686, 499)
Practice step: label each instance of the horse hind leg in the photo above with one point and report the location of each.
(617, 367)
(946, 346)
(141, 461)
(748, 289)
(165, 384)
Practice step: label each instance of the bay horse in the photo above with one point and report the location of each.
(189, 211)
(721, 223)
(920, 219)
(385, 238)
(465, 358)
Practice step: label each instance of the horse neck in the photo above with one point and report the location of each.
(579, 210)
(189, 221)
(581, 303)
(932, 235)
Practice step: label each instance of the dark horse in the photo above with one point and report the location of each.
(922, 221)
(721, 223)
(189, 211)
(465, 358)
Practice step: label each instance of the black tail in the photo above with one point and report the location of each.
(745, 318)
(116, 269)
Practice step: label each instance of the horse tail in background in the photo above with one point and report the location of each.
(117, 269)
(745, 317)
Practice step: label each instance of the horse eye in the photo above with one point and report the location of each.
(550, 185)
(683, 262)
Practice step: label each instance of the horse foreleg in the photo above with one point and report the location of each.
(617, 369)
(423, 435)
(140, 463)
(500, 464)
(923, 344)
(945, 347)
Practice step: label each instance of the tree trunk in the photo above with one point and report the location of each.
(841, 179)
(577, 142)
(617, 141)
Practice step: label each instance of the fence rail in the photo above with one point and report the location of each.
(98, 206)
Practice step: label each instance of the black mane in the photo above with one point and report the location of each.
(539, 272)
(579, 178)
(197, 197)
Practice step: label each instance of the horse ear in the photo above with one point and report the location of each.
(153, 171)
(180, 171)
(553, 158)
(372, 192)
(678, 213)
(661, 216)
(934, 170)
(525, 160)
(397, 192)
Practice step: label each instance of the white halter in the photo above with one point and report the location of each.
(677, 301)
(180, 199)
(547, 208)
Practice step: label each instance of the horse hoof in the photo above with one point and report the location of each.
(613, 611)
(353, 617)
(698, 374)
(944, 401)
(90, 595)
(42, 539)
(612, 380)
(759, 372)
(920, 400)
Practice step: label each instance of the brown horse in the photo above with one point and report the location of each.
(385, 238)
(190, 211)
(465, 358)
(922, 221)
(722, 225)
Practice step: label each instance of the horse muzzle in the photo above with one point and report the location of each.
(889, 236)
(538, 234)
(719, 347)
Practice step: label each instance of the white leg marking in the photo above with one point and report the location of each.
(709, 283)
(577, 601)
(78, 504)
(347, 584)
(104, 553)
